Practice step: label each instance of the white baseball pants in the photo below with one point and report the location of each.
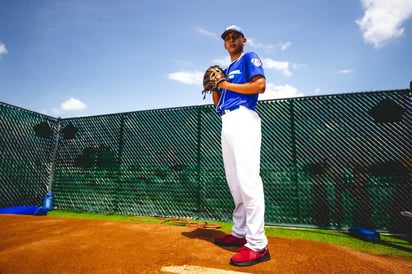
(241, 141)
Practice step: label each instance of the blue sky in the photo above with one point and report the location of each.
(90, 57)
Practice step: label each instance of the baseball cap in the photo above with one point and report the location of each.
(232, 28)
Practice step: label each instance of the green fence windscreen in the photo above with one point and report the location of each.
(329, 161)
(26, 148)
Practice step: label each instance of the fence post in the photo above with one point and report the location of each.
(54, 156)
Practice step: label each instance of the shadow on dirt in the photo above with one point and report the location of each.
(208, 235)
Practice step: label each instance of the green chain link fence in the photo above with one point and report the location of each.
(330, 161)
(26, 145)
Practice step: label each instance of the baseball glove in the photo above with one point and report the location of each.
(212, 77)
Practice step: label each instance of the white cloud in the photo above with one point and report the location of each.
(187, 77)
(281, 66)
(3, 49)
(267, 47)
(279, 92)
(260, 46)
(70, 105)
(285, 46)
(383, 20)
(205, 32)
(73, 104)
(256, 45)
(345, 71)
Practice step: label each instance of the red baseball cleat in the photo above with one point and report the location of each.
(230, 240)
(246, 256)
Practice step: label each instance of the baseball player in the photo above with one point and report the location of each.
(235, 100)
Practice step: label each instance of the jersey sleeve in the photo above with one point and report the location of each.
(254, 65)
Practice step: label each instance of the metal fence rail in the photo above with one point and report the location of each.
(331, 161)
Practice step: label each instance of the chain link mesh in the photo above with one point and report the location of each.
(26, 148)
(329, 161)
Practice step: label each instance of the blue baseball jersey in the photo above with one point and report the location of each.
(240, 71)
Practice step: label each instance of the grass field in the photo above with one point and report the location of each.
(390, 245)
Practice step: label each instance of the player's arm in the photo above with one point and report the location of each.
(256, 85)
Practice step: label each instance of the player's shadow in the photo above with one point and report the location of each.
(208, 235)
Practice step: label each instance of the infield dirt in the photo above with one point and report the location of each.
(40, 244)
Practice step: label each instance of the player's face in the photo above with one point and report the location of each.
(234, 43)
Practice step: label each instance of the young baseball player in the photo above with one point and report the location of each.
(235, 101)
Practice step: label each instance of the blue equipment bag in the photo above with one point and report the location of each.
(24, 210)
(366, 234)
